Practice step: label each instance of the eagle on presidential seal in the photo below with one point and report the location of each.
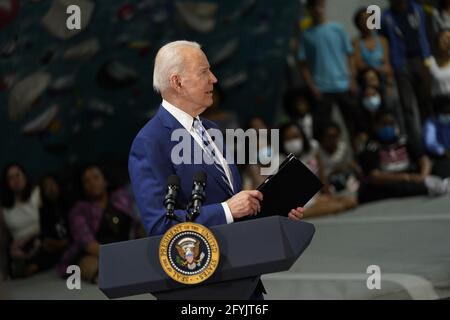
(189, 255)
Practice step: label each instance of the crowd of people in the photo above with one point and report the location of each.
(47, 226)
(392, 87)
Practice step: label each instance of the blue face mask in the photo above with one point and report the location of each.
(387, 133)
(372, 103)
(444, 118)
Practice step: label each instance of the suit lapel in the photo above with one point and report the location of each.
(170, 122)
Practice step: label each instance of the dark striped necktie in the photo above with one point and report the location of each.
(209, 149)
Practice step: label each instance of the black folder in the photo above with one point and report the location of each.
(292, 186)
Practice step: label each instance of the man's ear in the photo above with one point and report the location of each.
(175, 82)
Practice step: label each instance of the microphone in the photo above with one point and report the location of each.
(198, 195)
(173, 185)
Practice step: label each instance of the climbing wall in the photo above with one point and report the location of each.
(74, 96)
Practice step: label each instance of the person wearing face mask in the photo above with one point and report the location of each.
(375, 95)
(437, 136)
(294, 140)
(395, 167)
(371, 100)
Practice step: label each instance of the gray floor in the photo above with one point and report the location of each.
(408, 239)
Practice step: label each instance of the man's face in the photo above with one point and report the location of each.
(197, 81)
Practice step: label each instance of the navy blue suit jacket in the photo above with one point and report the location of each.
(150, 165)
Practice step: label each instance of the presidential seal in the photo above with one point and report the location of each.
(189, 253)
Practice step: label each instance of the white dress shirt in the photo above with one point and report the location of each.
(186, 120)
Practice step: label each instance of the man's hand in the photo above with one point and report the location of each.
(296, 214)
(245, 203)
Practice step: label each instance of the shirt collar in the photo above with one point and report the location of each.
(182, 117)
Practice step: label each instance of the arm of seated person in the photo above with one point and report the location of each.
(93, 248)
(380, 177)
(424, 166)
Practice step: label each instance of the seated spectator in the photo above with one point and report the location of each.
(439, 65)
(437, 137)
(297, 104)
(341, 172)
(293, 140)
(103, 217)
(53, 221)
(21, 203)
(370, 77)
(371, 101)
(371, 88)
(395, 167)
(372, 50)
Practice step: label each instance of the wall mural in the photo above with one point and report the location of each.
(73, 96)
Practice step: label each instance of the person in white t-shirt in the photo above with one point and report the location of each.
(439, 65)
(20, 206)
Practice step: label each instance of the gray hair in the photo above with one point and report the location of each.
(169, 60)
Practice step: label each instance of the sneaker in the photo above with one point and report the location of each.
(437, 186)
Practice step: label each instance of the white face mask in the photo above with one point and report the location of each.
(294, 146)
(372, 103)
(265, 155)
